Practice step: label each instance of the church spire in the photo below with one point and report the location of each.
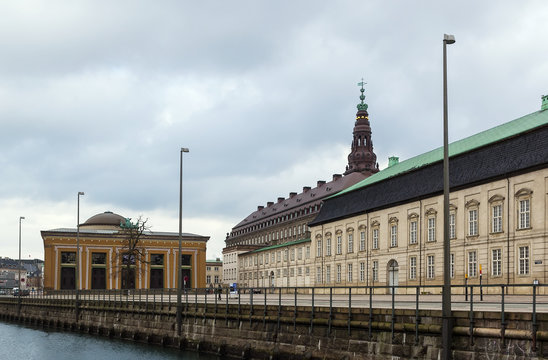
(362, 158)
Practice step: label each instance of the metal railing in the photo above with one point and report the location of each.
(501, 298)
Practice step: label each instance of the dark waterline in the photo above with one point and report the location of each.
(20, 342)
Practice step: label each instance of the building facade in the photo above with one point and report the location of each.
(214, 272)
(388, 229)
(392, 233)
(108, 260)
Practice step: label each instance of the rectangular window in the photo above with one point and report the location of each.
(307, 271)
(375, 244)
(362, 241)
(375, 270)
(524, 214)
(328, 273)
(208, 279)
(430, 273)
(413, 267)
(266, 256)
(413, 232)
(279, 256)
(472, 264)
(338, 273)
(524, 260)
(286, 253)
(496, 262)
(308, 252)
(272, 257)
(68, 257)
(318, 248)
(394, 235)
(292, 254)
(350, 243)
(431, 229)
(292, 272)
(319, 275)
(496, 224)
(300, 253)
(452, 232)
(339, 245)
(216, 279)
(300, 271)
(350, 270)
(473, 222)
(328, 246)
(362, 271)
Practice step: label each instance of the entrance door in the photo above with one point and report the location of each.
(68, 278)
(187, 282)
(393, 275)
(98, 278)
(156, 278)
(128, 282)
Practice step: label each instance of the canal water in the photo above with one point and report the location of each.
(20, 342)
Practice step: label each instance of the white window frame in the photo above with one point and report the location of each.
(524, 260)
(362, 240)
(362, 272)
(413, 268)
(496, 218)
(473, 222)
(393, 235)
(472, 264)
(350, 272)
(524, 213)
(375, 272)
(496, 262)
(350, 243)
(339, 244)
(452, 225)
(413, 231)
(339, 270)
(328, 246)
(430, 267)
(431, 228)
(375, 237)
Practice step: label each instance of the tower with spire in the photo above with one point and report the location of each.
(362, 158)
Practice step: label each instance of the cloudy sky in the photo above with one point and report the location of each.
(99, 96)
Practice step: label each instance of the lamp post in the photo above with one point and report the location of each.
(179, 272)
(20, 264)
(447, 321)
(78, 256)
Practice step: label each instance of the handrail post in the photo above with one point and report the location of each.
(471, 316)
(295, 312)
(279, 307)
(312, 314)
(502, 319)
(393, 313)
(535, 325)
(251, 309)
(264, 313)
(330, 311)
(370, 312)
(417, 318)
(349, 309)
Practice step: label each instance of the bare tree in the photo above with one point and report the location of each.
(132, 252)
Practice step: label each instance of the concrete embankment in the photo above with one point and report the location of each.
(274, 332)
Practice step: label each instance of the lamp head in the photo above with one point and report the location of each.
(448, 39)
(21, 217)
(184, 150)
(80, 193)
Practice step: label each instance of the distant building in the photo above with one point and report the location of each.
(105, 262)
(214, 272)
(284, 223)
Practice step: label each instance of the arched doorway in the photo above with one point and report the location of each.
(393, 270)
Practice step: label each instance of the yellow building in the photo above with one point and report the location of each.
(116, 254)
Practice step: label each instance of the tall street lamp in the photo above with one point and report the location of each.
(179, 271)
(447, 321)
(20, 264)
(78, 255)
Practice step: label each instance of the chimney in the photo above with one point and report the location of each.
(320, 183)
(336, 177)
(292, 194)
(280, 199)
(393, 160)
(544, 102)
(260, 207)
(270, 203)
(306, 188)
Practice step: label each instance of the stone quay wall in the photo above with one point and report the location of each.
(274, 332)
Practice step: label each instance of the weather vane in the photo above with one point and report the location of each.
(362, 105)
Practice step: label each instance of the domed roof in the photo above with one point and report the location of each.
(107, 218)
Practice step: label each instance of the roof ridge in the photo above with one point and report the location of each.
(469, 143)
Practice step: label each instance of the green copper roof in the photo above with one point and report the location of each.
(509, 129)
(280, 245)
